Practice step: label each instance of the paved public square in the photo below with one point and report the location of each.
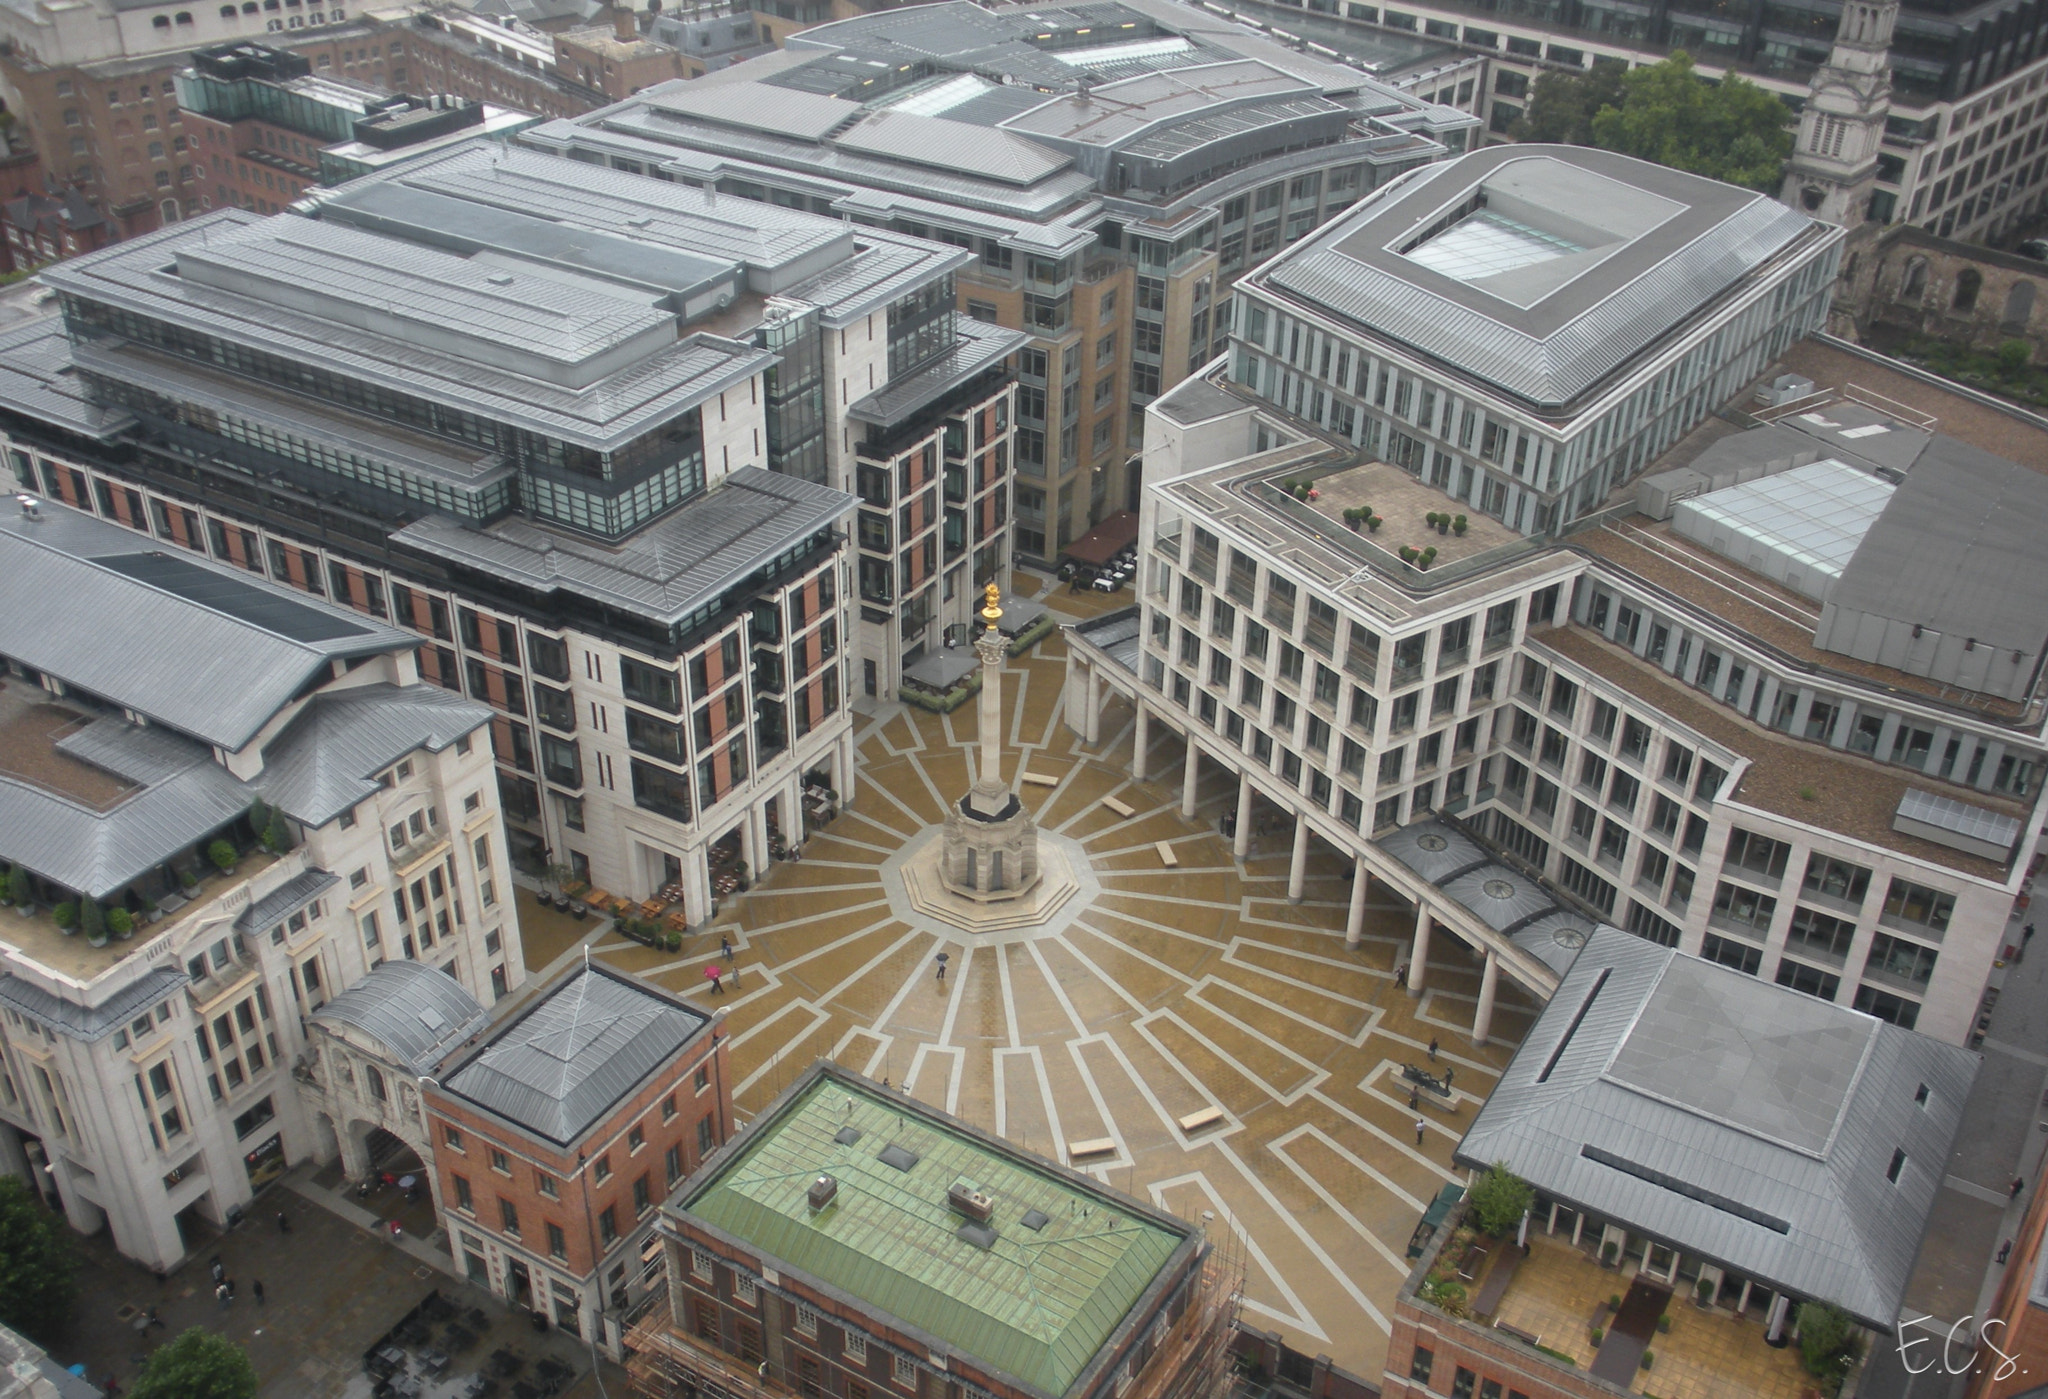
(1154, 995)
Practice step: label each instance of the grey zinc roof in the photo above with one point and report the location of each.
(615, 408)
(286, 899)
(1957, 550)
(1736, 1121)
(688, 558)
(1115, 634)
(37, 379)
(327, 758)
(100, 852)
(981, 346)
(953, 145)
(1571, 335)
(94, 1022)
(588, 1042)
(416, 1012)
(184, 663)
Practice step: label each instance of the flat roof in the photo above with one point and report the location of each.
(1539, 269)
(1815, 515)
(1735, 1120)
(575, 1053)
(1062, 1263)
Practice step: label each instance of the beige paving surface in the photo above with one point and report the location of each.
(1171, 992)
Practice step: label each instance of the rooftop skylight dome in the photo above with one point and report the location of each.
(1531, 226)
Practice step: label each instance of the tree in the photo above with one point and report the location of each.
(197, 1365)
(1562, 105)
(37, 1271)
(1498, 1200)
(1732, 130)
(1826, 1334)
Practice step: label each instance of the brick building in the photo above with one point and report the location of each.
(556, 1137)
(857, 1244)
(612, 64)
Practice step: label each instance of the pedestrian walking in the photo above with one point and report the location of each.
(257, 1289)
(1432, 1049)
(1400, 973)
(2005, 1250)
(397, 1231)
(715, 977)
(2026, 934)
(221, 1295)
(284, 1225)
(725, 946)
(1420, 1126)
(942, 973)
(2019, 1183)
(220, 1272)
(1449, 1073)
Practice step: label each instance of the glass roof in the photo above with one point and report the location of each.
(1485, 243)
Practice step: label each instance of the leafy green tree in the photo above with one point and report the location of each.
(1498, 1200)
(1732, 130)
(38, 1281)
(1826, 1334)
(197, 1365)
(1562, 105)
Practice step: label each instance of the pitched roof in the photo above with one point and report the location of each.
(1064, 1262)
(414, 1011)
(587, 1043)
(328, 757)
(203, 649)
(1737, 1121)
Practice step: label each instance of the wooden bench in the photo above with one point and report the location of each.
(1118, 807)
(1196, 1121)
(1039, 779)
(1093, 1146)
(1167, 857)
(1527, 1338)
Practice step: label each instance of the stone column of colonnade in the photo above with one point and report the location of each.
(1191, 772)
(1141, 740)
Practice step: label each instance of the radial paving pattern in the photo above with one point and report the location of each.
(1160, 993)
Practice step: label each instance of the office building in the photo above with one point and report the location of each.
(584, 432)
(1765, 703)
(264, 129)
(856, 1242)
(555, 1137)
(221, 803)
(1110, 170)
(1712, 1149)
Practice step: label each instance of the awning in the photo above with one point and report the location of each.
(940, 671)
(1101, 543)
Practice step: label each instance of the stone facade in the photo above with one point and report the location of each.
(1908, 280)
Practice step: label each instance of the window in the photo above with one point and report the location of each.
(1810, 980)
(1744, 908)
(452, 1137)
(643, 1195)
(608, 1229)
(1885, 1006)
(635, 1139)
(1820, 935)
(1912, 906)
(1830, 878)
(508, 1216)
(463, 1199)
(856, 1347)
(1420, 1364)
(1900, 959)
(499, 1163)
(905, 1371)
(806, 1320)
(1897, 1167)
(1740, 956)
(1757, 855)
(603, 1168)
(673, 1162)
(558, 1245)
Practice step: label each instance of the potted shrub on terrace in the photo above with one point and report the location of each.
(222, 854)
(1459, 525)
(92, 920)
(66, 917)
(121, 923)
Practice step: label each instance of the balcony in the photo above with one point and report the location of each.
(40, 939)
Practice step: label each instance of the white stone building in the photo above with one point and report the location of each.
(1525, 736)
(154, 1075)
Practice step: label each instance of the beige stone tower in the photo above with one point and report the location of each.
(989, 852)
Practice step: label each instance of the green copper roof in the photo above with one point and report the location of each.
(1036, 1304)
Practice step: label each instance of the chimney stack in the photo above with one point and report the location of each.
(624, 24)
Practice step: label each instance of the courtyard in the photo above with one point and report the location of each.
(1155, 994)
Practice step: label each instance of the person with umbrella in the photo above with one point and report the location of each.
(943, 958)
(713, 975)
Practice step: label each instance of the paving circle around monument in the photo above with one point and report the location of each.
(1157, 994)
(1060, 856)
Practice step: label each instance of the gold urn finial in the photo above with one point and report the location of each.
(992, 612)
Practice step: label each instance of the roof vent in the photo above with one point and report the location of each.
(499, 279)
(31, 508)
(847, 1136)
(824, 1190)
(966, 1197)
(980, 1235)
(899, 1157)
(1035, 1220)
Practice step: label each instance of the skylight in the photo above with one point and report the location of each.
(942, 98)
(1124, 53)
(1484, 243)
